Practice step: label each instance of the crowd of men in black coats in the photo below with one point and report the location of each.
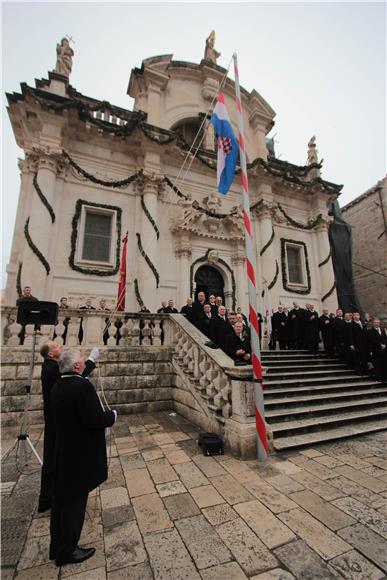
(354, 339)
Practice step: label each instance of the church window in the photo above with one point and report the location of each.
(294, 262)
(295, 267)
(97, 240)
(189, 129)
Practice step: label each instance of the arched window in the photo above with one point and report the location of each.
(189, 129)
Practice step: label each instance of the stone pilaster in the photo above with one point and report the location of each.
(268, 258)
(149, 187)
(39, 223)
(238, 262)
(325, 267)
(183, 253)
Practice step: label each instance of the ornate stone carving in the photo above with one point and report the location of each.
(150, 183)
(64, 58)
(45, 158)
(204, 221)
(210, 88)
(210, 53)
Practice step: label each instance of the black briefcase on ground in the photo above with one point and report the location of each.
(210, 444)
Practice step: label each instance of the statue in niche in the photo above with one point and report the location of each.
(64, 58)
(210, 53)
(312, 151)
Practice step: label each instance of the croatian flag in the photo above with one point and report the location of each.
(227, 146)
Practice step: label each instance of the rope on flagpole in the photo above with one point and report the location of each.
(262, 445)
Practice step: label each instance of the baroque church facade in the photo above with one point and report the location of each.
(93, 171)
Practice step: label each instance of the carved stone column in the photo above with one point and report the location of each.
(266, 252)
(148, 237)
(183, 253)
(38, 225)
(326, 275)
(238, 262)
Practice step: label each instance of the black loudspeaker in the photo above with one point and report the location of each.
(210, 443)
(37, 312)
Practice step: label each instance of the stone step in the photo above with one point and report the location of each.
(319, 390)
(296, 400)
(286, 352)
(272, 381)
(321, 408)
(305, 368)
(325, 435)
(322, 371)
(285, 428)
(301, 361)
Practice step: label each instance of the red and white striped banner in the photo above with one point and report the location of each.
(262, 446)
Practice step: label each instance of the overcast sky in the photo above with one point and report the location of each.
(321, 66)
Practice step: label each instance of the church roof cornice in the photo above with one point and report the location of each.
(102, 114)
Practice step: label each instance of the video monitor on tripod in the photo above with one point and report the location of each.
(37, 312)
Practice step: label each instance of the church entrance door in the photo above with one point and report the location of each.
(210, 281)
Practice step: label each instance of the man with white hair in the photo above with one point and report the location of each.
(51, 352)
(80, 463)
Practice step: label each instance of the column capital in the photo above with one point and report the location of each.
(150, 183)
(183, 249)
(45, 158)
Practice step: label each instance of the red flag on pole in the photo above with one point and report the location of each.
(122, 281)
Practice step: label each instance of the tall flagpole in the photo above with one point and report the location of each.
(262, 447)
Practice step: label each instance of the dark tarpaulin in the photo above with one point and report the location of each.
(340, 238)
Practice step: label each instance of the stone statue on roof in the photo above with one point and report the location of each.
(64, 58)
(209, 52)
(312, 151)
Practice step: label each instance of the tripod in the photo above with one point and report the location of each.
(23, 438)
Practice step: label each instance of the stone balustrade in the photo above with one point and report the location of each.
(87, 328)
(148, 361)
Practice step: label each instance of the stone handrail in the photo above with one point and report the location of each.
(210, 371)
(77, 327)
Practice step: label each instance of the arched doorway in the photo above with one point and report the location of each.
(210, 281)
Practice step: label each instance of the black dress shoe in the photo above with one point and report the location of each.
(79, 555)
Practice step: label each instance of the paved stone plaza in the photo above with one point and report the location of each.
(168, 512)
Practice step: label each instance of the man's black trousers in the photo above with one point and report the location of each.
(67, 517)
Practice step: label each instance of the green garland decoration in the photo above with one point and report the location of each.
(274, 281)
(269, 242)
(293, 222)
(35, 250)
(87, 175)
(285, 282)
(174, 188)
(43, 198)
(150, 218)
(329, 292)
(74, 236)
(204, 259)
(326, 260)
(18, 279)
(147, 259)
(137, 293)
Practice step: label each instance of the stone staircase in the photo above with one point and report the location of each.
(313, 399)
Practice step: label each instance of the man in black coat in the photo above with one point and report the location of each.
(188, 310)
(297, 326)
(377, 339)
(238, 345)
(222, 327)
(279, 322)
(206, 323)
(338, 339)
(360, 342)
(80, 463)
(170, 309)
(326, 328)
(311, 329)
(198, 306)
(51, 352)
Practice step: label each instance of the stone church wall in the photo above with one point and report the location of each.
(369, 255)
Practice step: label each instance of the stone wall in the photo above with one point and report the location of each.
(134, 380)
(365, 214)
